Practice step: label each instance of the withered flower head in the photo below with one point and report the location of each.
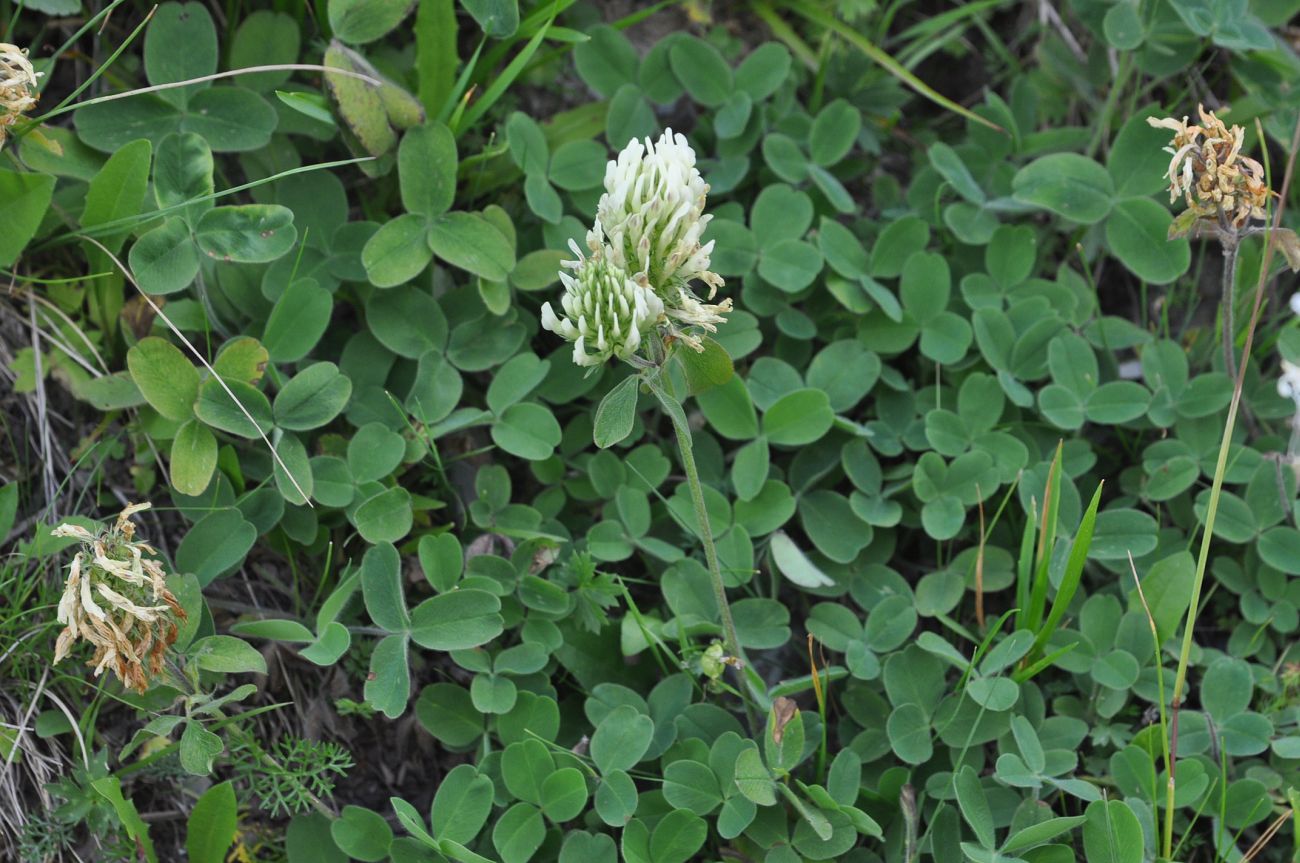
(1210, 172)
(17, 86)
(117, 599)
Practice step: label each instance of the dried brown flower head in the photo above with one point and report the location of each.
(117, 599)
(1209, 171)
(17, 86)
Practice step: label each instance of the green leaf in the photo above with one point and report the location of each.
(216, 408)
(297, 321)
(621, 739)
(26, 197)
(110, 788)
(974, 805)
(312, 398)
(1137, 161)
(388, 685)
(945, 160)
(1122, 26)
(1112, 833)
(701, 70)
(241, 359)
(216, 544)
(165, 260)
(564, 795)
(193, 458)
(117, 192)
(265, 38)
(753, 779)
(385, 517)
(227, 654)
(426, 166)
(798, 418)
(499, 19)
(1279, 547)
(528, 431)
(1226, 689)
(457, 620)
(360, 21)
(181, 43)
(677, 837)
(360, 106)
(1137, 232)
(461, 804)
(247, 234)
(1167, 587)
(397, 252)
(785, 754)
(606, 62)
(210, 830)
(1040, 833)
(790, 265)
(472, 243)
(1072, 186)
(616, 413)
(691, 785)
(730, 410)
(167, 380)
(616, 798)
(795, 565)
(518, 833)
(362, 834)
(908, 729)
(834, 131)
(447, 712)
(381, 585)
(706, 369)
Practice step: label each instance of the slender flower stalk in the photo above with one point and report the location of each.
(117, 599)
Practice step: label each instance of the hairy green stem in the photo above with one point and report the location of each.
(685, 447)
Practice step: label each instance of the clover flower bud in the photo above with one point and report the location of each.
(652, 213)
(606, 312)
(117, 599)
(1209, 171)
(17, 86)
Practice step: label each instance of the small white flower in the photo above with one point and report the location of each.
(18, 82)
(605, 310)
(652, 214)
(1288, 386)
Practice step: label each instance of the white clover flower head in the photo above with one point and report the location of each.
(18, 82)
(1210, 172)
(652, 214)
(117, 599)
(1288, 385)
(1295, 303)
(606, 311)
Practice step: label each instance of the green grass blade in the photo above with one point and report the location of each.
(1046, 542)
(1073, 573)
(435, 53)
(503, 81)
(888, 63)
(1031, 671)
(1024, 570)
